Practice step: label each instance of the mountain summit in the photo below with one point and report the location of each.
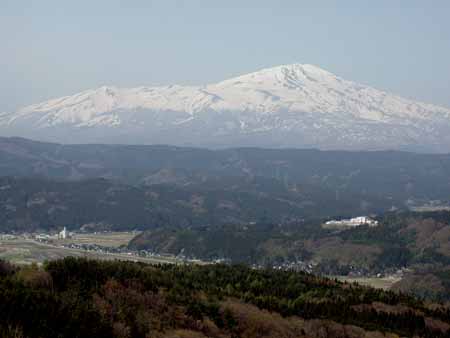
(285, 106)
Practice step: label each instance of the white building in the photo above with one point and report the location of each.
(352, 222)
(63, 234)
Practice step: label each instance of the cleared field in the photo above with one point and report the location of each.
(384, 283)
(109, 239)
(28, 251)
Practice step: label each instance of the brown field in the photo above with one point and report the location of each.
(345, 252)
(23, 251)
(384, 283)
(109, 239)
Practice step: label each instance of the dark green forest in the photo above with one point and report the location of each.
(32, 204)
(417, 242)
(88, 298)
(261, 243)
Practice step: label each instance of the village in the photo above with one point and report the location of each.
(29, 247)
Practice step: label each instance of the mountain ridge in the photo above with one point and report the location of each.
(285, 106)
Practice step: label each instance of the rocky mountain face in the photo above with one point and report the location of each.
(286, 106)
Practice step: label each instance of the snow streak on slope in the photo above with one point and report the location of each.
(292, 105)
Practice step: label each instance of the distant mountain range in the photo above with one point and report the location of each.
(392, 176)
(286, 106)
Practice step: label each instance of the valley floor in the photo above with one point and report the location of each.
(27, 251)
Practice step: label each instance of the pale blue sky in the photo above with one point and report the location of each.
(54, 48)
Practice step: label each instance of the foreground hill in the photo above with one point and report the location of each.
(85, 298)
(286, 106)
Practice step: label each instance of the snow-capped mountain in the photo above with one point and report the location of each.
(286, 106)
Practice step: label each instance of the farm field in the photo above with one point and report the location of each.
(110, 239)
(384, 283)
(23, 251)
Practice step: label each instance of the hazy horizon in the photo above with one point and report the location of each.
(52, 49)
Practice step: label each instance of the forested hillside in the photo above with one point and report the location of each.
(398, 176)
(85, 298)
(30, 204)
(419, 242)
